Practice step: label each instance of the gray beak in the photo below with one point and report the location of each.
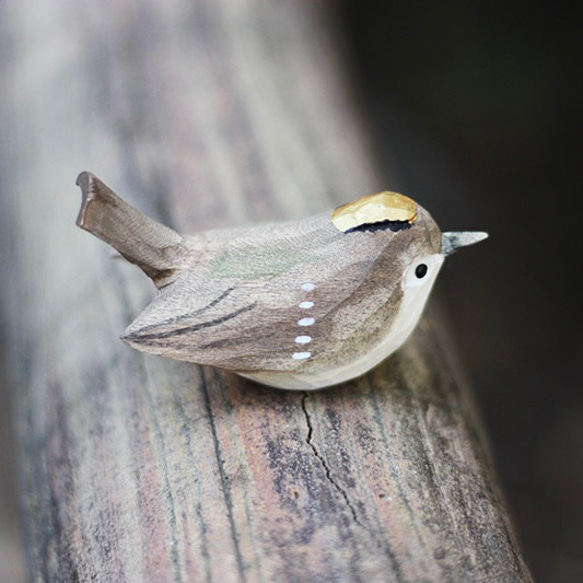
(454, 240)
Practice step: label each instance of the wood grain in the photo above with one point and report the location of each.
(135, 468)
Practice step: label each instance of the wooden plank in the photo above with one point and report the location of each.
(136, 468)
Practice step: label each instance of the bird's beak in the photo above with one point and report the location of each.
(454, 240)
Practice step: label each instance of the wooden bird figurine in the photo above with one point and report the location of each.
(298, 305)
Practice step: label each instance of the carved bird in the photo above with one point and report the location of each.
(301, 305)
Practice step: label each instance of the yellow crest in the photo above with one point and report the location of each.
(374, 208)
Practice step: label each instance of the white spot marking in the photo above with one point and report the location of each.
(306, 321)
(306, 305)
(301, 355)
(303, 339)
(308, 286)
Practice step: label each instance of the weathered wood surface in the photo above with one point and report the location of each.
(136, 468)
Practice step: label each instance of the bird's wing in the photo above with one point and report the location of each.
(241, 326)
(278, 324)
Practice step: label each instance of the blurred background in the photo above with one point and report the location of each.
(479, 105)
(476, 112)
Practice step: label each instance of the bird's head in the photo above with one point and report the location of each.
(415, 246)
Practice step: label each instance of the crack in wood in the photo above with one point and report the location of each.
(328, 472)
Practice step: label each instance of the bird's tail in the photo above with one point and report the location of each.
(156, 249)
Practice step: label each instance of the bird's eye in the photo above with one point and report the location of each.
(421, 270)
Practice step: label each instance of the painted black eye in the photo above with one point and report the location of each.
(421, 270)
